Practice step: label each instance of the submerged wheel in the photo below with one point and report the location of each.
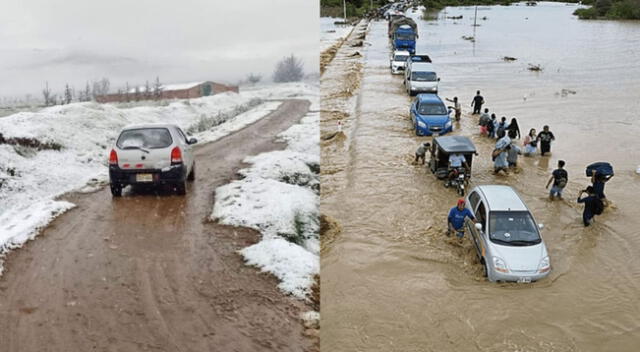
(192, 174)
(181, 188)
(116, 190)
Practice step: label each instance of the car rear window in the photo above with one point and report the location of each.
(144, 138)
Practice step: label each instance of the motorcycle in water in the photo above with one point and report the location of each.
(458, 179)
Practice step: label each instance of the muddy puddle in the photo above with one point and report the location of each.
(392, 280)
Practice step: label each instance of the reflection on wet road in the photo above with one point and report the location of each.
(392, 282)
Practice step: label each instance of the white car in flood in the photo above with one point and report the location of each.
(398, 61)
(151, 154)
(421, 77)
(506, 236)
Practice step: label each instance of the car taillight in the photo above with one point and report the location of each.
(176, 156)
(113, 157)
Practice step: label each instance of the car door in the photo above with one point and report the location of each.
(482, 217)
(414, 111)
(472, 204)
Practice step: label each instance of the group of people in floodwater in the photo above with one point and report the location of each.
(505, 156)
(506, 151)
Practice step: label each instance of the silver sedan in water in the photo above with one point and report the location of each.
(506, 236)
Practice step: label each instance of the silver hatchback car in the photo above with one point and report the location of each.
(506, 236)
(151, 154)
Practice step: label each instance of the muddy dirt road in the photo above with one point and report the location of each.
(146, 272)
(390, 279)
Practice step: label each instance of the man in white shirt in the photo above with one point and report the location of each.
(456, 161)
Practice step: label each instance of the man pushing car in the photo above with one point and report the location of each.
(455, 221)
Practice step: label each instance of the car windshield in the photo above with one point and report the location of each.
(424, 76)
(400, 58)
(144, 138)
(432, 109)
(513, 229)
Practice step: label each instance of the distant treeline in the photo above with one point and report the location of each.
(610, 9)
(600, 9)
(355, 8)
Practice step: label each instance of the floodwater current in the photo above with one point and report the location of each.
(391, 281)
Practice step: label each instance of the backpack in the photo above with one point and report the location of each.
(598, 206)
(561, 182)
(495, 154)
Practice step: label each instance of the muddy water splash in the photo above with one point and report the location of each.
(391, 280)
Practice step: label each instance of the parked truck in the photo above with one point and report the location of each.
(403, 33)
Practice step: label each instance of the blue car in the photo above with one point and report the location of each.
(429, 115)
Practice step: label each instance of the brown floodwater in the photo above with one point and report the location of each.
(390, 279)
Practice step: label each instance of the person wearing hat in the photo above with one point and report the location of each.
(421, 151)
(455, 221)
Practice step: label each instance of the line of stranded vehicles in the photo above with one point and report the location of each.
(505, 235)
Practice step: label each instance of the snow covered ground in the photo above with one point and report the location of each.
(279, 196)
(65, 148)
(331, 33)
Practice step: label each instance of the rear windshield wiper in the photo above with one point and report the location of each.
(136, 147)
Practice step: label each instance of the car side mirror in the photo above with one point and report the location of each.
(478, 226)
(541, 226)
(438, 79)
(192, 141)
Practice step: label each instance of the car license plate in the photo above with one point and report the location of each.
(524, 280)
(144, 178)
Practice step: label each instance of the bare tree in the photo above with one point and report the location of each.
(126, 92)
(157, 89)
(104, 86)
(95, 89)
(67, 94)
(87, 92)
(289, 69)
(253, 78)
(147, 90)
(46, 93)
(136, 93)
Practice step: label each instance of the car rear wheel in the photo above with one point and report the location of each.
(116, 190)
(181, 188)
(192, 174)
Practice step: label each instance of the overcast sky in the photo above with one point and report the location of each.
(132, 41)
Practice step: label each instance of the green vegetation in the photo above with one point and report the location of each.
(440, 4)
(610, 9)
(355, 8)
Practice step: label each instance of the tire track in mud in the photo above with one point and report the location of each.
(148, 272)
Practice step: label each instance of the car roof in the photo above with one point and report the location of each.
(455, 144)
(149, 125)
(502, 198)
(422, 66)
(429, 97)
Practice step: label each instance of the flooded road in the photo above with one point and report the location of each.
(148, 272)
(390, 279)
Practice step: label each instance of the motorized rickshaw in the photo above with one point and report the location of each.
(441, 149)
